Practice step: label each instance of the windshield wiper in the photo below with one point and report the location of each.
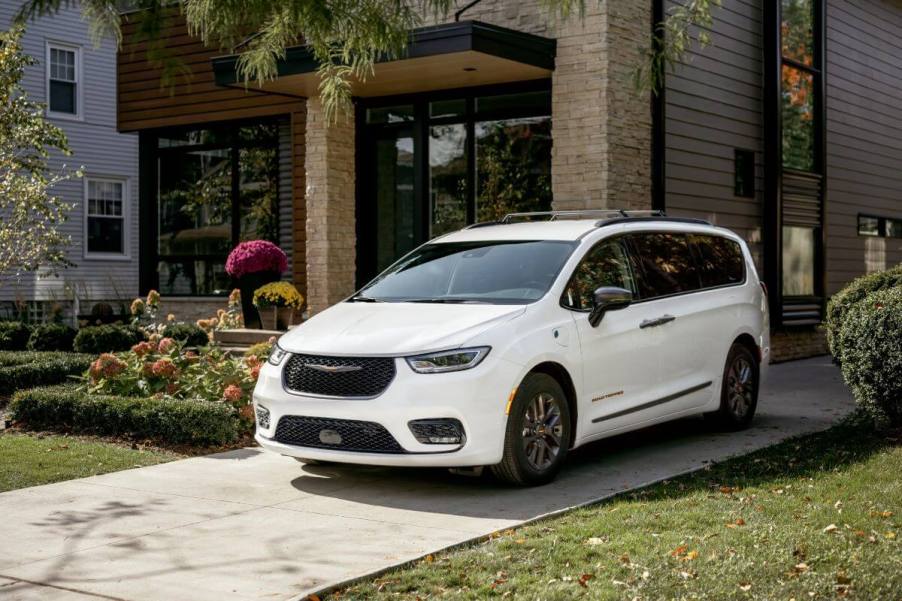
(359, 298)
(448, 301)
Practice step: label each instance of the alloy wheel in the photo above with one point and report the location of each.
(542, 431)
(740, 386)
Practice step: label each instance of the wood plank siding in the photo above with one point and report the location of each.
(864, 134)
(713, 105)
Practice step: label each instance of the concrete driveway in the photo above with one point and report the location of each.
(250, 525)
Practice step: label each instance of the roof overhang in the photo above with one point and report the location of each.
(453, 55)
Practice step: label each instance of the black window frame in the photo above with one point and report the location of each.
(883, 229)
(744, 185)
(619, 239)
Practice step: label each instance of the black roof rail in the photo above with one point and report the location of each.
(608, 217)
(616, 220)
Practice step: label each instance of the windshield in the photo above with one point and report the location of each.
(505, 272)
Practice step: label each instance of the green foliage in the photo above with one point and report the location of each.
(870, 340)
(51, 337)
(107, 339)
(856, 291)
(64, 408)
(188, 334)
(13, 335)
(260, 351)
(26, 201)
(21, 370)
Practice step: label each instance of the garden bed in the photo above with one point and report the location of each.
(25, 369)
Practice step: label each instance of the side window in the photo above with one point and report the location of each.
(62, 79)
(663, 264)
(605, 265)
(720, 260)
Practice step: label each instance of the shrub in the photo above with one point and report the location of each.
(107, 339)
(871, 342)
(255, 256)
(20, 370)
(261, 350)
(186, 333)
(856, 291)
(51, 337)
(13, 335)
(162, 419)
(278, 294)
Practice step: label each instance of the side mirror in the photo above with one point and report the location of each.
(608, 298)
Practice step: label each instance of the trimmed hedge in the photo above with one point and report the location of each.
(25, 369)
(856, 291)
(870, 341)
(107, 339)
(51, 337)
(171, 421)
(13, 335)
(186, 333)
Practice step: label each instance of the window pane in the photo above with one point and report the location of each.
(513, 164)
(448, 108)
(868, 226)
(797, 30)
(194, 277)
(105, 235)
(259, 192)
(720, 261)
(104, 198)
(62, 97)
(744, 173)
(536, 102)
(259, 134)
(395, 211)
(605, 265)
(193, 137)
(448, 177)
(663, 264)
(798, 261)
(195, 203)
(894, 228)
(798, 119)
(390, 114)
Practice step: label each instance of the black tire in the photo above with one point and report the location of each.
(534, 449)
(738, 391)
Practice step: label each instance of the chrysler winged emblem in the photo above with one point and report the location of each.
(333, 369)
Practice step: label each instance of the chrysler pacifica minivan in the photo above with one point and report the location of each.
(508, 344)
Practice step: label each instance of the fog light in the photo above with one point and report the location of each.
(262, 417)
(438, 431)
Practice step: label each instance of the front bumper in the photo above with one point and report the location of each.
(476, 397)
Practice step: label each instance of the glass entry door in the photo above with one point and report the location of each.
(396, 212)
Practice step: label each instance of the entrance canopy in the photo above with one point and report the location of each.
(452, 55)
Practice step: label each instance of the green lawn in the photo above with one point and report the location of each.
(813, 518)
(29, 459)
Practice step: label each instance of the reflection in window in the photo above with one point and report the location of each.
(663, 264)
(604, 265)
(894, 228)
(448, 177)
(868, 226)
(513, 167)
(798, 261)
(797, 30)
(720, 260)
(797, 99)
(106, 220)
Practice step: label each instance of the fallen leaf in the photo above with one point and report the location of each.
(739, 522)
(313, 598)
(595, 540)
(520, 541)
(890, 535)
(679, 551)
(625, 558)
(691, 555)
(745, 586)
(726, 490)
(430, 558)
(800, 567)
(584, 579)
(829, 529)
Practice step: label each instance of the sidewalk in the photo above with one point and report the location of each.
(248, 525)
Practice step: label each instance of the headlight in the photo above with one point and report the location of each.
(277, 354)
(457, 360)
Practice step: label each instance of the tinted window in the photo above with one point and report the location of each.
(605, 265)
(509, 272)
(663, 264)
(720, 260)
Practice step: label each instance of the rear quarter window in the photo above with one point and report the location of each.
(663, 264)
(720, 260)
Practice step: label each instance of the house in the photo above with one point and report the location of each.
(787, 129)
(76, 82)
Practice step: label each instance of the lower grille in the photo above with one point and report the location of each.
(341, 434)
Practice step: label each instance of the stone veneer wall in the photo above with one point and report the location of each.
(331, 227)
(786, 345)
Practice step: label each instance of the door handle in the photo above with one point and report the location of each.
(658, 321)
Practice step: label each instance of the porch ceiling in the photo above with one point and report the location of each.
(453, 55)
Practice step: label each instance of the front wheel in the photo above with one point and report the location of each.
(739, 390)
(538, 433)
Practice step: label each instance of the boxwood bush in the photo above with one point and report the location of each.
(51, 337)
(107, 339)
(22, 369)
(856, 291)
(64, 408)
(13, 335)
(870, 342)
(186, 333)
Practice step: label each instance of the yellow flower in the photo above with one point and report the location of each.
(278, 294)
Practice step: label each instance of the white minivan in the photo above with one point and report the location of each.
(507, 344)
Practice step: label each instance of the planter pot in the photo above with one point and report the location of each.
(277, 318)
(248, 284)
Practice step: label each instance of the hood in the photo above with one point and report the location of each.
(356, 329)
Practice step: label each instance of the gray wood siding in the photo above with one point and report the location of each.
(713, 106)
(864, 134)
(97, 146)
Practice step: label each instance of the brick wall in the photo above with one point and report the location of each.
(786, 345)
(331, 226)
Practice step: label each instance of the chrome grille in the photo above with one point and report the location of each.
(339, 376)
(341, 434)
